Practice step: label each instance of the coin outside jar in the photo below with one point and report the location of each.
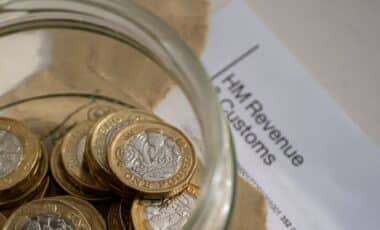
(154, 159)
(172, 213)
(47, 214)
(72, 153)
(19, 152)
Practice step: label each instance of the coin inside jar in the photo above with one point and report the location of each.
(92, 215)
(100, 111)
(21, 195)
(46, 214)
(113, 218)
(101, 135)
(11, 153)
(39, 193)
(125, 214)
(19, 152)
(64, 182)
(172, 213)
(21, 189)
(155, 159)
(72, 153)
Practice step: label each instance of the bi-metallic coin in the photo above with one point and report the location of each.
(171, 213)
(154, 159)
(100, 138)
(19, 152)
(72, 153)
(64, 182)
(92, 215)
(47, 214)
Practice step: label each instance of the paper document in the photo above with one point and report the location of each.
(316, 168)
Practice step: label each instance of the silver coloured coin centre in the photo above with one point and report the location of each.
(47, 222)
(170, 214)
(80, 149)
(152, 156)
(11, 153)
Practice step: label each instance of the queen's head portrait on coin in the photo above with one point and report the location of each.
(153, 158)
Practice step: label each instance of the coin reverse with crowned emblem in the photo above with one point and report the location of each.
(104, 131)
(168, 214)
(154, 159)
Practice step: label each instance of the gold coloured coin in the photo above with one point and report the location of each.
(99, 111)
(14, 192)
(171, 213)
(34, 184)
(105, 179)
(47, 214)
(114, 219)
(19, 152)
(103, 132)
(72, 153)
(38, 194)
(2, 220)
(198, 174)
(60, 177)
(92, 215)
(155, 159)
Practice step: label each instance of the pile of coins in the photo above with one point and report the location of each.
(130, 154)
(23, 165)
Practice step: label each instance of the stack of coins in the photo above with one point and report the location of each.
(119, 216)
(130, 154)
(62, 212)
(70, 171)
(100, 137)
(23, 165)
(152, 159)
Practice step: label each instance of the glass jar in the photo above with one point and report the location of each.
(57, 54)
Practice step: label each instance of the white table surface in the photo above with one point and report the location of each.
(338, 41)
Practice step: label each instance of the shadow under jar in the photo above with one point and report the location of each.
(62, 61)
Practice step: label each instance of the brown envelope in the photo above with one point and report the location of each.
(250, 208)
